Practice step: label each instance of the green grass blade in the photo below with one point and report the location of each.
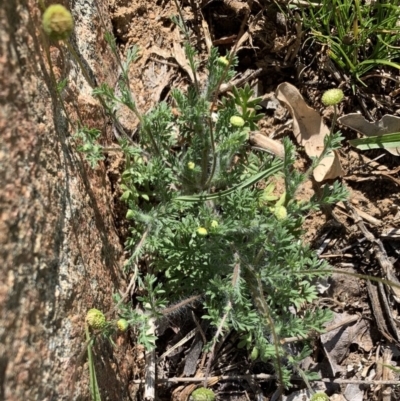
(275, 168)
(380, 61)
(377, 142)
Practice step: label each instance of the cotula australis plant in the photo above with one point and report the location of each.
(205, 225)
(205, 217)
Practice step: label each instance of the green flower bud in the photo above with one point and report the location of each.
(122, 325)
(191, 165)
(319, 397)
(280, 212)
(130, 214)
(332, 96)
(202, 231)
(203, 394)
(57, 22)
(96, 319)
(237, 121)
(223, 61)
(254, 354)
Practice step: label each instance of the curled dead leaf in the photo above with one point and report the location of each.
(328, 168)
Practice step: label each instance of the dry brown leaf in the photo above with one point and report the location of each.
(158, 78)
(268, 144)
(308, 126)
(207, 36)
(336, 342)
(337, 397)
(238, 6)
(160, 52)
(354, 392)
(179, 55)
(387, 125)
(310, 131)
(328, 168)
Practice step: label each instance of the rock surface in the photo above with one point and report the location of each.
(59, 250)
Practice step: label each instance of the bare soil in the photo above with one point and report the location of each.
(275, 49)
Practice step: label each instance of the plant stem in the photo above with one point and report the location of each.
(94, 388)
(78, 60)
(215, 99)
(46, 46)
(256, 290)
(334, 119)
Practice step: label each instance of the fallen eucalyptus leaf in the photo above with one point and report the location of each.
(308, 126)
(310, 131)
(268, 144)
(328, 168)
(388, 124)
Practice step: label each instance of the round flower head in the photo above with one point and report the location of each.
(122, 325)
(319, 397)
(57, 22)
(237, 121)
(96, 319)
(332, 97)
(214, 224)
(191, 165)
(223, 61)
(202, 231)
(203, 394)
(280, 212)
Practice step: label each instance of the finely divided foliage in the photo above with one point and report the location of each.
(204, 224)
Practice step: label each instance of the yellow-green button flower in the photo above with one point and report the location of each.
(202, 231)
(237, 121)
(319, 397)
(223, 61)
(332, 97)
(96, 319)
(122, 325)
(280, 212)
(214, 224)
(203, 394)
(191, 165)
(57, 22)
